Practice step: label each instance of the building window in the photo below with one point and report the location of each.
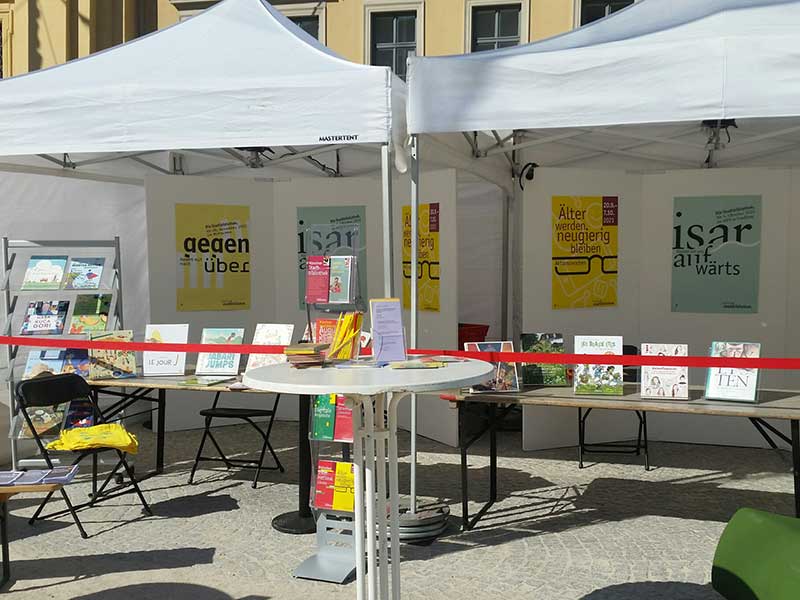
(495, 26)
(592, 10)
(1, 49)
(308, 23)
(393, 38)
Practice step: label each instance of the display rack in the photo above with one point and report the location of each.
(9, 261)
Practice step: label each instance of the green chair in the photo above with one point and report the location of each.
(758, 557)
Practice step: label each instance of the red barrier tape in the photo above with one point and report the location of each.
(517, 357)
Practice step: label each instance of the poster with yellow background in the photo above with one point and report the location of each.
(212, 244)
(427, 259)
(585, 245)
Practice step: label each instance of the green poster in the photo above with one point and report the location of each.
(331, 230)
(716, 251)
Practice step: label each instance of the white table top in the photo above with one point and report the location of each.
(283, 378)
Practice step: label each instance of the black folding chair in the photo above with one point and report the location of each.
(244, 414)
(52, 390)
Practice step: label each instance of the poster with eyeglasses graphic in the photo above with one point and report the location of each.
(427, 259)
(584, 251)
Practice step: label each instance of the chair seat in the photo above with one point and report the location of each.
(235, 413)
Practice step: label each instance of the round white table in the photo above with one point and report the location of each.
(376, 393)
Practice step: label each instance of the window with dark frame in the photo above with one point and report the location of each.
(393, 38)
(495, 26)
(1, 50)
(592, 10)
(308, 23)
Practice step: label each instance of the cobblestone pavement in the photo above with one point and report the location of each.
(608, 532)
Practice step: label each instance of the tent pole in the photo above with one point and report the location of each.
(388, 237)
(414, 282)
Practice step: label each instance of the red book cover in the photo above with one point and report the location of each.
(324, 330)
(343, 424)
(318, 271)
(323, 490)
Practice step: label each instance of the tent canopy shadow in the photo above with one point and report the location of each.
(157, 591)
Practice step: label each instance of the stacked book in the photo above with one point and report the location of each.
(302, 356)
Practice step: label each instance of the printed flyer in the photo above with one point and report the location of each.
(585, 251)
(427, 260)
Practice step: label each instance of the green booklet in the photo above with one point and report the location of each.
(324, 417)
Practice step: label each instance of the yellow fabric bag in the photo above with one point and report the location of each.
(108, 435)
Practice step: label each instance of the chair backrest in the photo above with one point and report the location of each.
(630, 374)
(51, 390)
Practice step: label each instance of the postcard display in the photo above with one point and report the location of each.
(68, 288)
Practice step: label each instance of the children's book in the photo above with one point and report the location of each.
(80, 413)
(219, 363)
(544, 373)
(665, 382)
(335, 486)
(112, 364)
(46, 421)
(598, 379)
(165, 363)
(505, 378)
(324, 417)
(43, 362)
(44, 273)
(270, 334)
(341, 277)
(77, 361)
(324, 330)
(343, 423)
(45, 317)
(84, 274)
(318, 270)
(90, 313)
(725, 383)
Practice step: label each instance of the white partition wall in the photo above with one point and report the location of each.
(643, 313)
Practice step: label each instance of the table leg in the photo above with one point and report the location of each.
(300, 521)
(369, 497)
(161, 430)
(796, 465)
(4, 536)
(394, 498)
(380, 505)
(358, 516)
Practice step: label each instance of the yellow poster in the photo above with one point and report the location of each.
(427, 260)
(212, 243)
(585, 251)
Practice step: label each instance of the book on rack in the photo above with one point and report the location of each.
(219, 363)
(76, 360)
(45, 317)
(598, 379)
(544, 374)
(79, 413)
(43, 362)
(205, 381)
(662, 381)
(165, 363)
(84, 274)
(726, 383)
(324, 415)
(324, 330)
(343, 423)
(347, 337)
(90, 313)
(112, 364)
(341, 279)
(46, 420)
(318, 270)
(44, 273)
(335, 486)
(388, 335)
(270, 334)
(505, 377)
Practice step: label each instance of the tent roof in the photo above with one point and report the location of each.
(656, 62)
(237, 75)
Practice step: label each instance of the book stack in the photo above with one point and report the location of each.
(302, 356)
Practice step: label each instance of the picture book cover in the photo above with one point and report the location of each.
(90, 313)
(335, 486)
(505, 377)
(45, 317)
(84, 274)
(270, 334)
(324, 330)
(665, 382)
(598, 379)
(43, 362)
(44, 273)
(740, 385)
(77, 361)
(219, 363)
(80, 413)
(343, 422)
(544, 374)
(112, 364)
(324, 484)
(318, 270)
(46, 422)
(165, 363)
(324, 415)
(341, 278)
